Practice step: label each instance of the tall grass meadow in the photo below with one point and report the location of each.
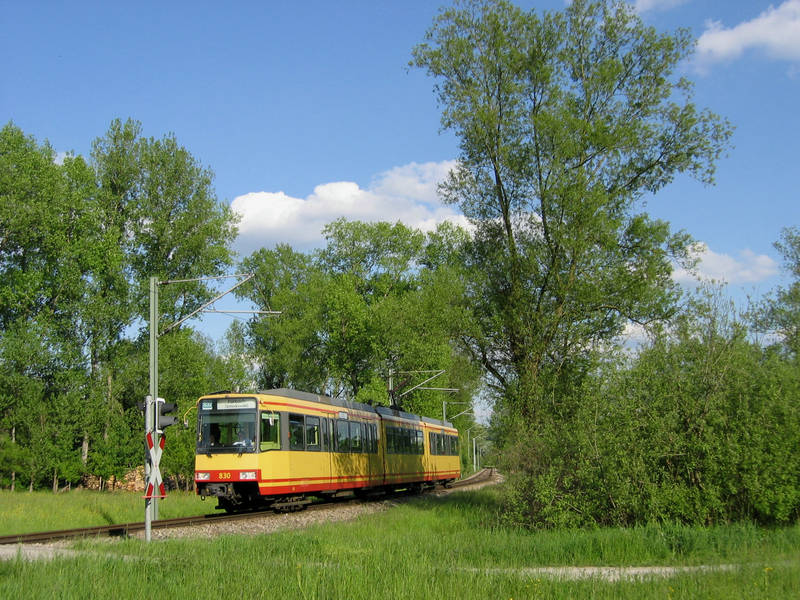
(456, 546)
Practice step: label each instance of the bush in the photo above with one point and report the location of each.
(701, 427)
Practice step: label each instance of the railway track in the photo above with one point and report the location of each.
(112, 530)
(126, 529)
(477, 477)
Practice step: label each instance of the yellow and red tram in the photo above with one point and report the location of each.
(266, 448)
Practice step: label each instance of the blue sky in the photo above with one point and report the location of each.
(306, 111)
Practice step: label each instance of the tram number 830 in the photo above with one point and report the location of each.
(224, 475)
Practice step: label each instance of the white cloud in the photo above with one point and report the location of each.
(406, 193)
(415, 181)
(634, 334)
(642, 6)
(776, 31)
(749, 267)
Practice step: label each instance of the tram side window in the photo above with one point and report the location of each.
(270, 431)
(296, 426)
(366, 428)
(312, 434)
(389, 440)
(326, 438)
(355, 437)
(400, 440)
(443, 444)
(342, 436)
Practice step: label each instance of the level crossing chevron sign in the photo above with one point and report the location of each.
(154, 481)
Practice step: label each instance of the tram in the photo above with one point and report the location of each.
(278, 447)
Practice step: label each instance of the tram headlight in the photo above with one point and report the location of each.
(243, 475)
(201, 476)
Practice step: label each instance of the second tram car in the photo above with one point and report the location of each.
(256, 450)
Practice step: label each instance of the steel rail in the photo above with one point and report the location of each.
(478, 476)
(113, 530)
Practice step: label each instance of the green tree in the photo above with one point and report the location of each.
(285, 348)
(26, 370)
(79, 242)
(232, 366)
(566, 121)
(161, 206)
(780, 313)
(49, 256)
(379, 298)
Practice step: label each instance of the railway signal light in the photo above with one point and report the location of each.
(164, 418)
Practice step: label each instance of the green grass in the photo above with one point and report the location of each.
(31, 512)
(453, 547)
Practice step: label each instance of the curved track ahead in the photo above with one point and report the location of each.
(128, 528)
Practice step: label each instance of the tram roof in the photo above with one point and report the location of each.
(381, 410)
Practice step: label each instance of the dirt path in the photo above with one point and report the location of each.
(611, 574)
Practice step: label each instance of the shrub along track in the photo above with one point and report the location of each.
(346, 505)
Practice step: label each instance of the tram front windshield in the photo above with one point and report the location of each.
(226, 431)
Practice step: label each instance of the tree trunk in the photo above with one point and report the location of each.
(85, 448)
(13, 441)
(109, 400)
(55, 480)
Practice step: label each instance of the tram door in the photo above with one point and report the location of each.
(309, 465)
(328, 434)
